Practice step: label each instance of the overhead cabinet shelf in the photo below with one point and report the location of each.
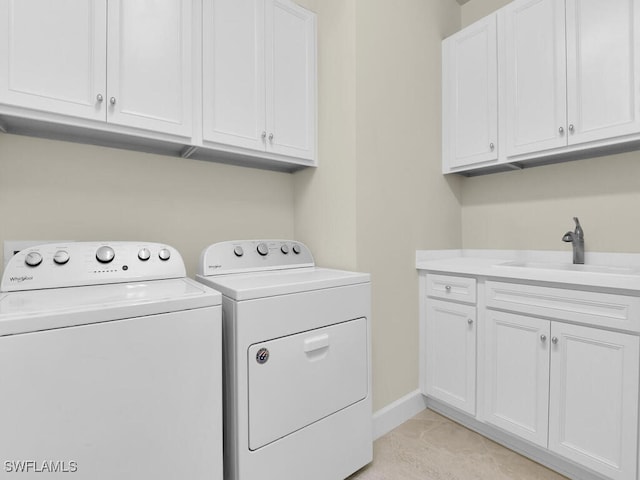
(226, 80)
(545, 80)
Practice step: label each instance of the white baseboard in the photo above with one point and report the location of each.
(398, 412)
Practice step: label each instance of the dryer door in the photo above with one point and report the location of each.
(302, 378)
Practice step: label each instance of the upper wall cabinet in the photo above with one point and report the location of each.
(603, 77)
(568, 77)
(54, 56)
(127, 62)
(533, 74)
(149, 70)
(259, 78)
(469, 97)
(555, 94)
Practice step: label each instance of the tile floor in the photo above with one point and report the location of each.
(432, 447)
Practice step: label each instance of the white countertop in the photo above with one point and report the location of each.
(604, 270)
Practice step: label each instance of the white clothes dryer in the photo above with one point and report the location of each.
(110, 365)
(297, 359)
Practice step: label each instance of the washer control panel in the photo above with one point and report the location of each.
(90, 263)
(253, 255)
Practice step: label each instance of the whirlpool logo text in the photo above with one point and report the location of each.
(24, 278)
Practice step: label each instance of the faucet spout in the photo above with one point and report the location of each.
(576, 238)
(578, 231)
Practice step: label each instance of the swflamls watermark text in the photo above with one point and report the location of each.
(46, 466)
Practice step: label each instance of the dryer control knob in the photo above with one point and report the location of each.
(164, 254)
(284, 248)
(238, 251)
(33, 259)
(263, 249)
(296, 249)
(144, 254)
(61, 257)
(105, 254)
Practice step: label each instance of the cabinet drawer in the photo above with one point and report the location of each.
(592, 308)
(462, 289)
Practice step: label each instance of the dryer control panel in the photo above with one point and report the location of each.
(253, 256)
(76, 264)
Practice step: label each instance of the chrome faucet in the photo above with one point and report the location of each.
(577, 241)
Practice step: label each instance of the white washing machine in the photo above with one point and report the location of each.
(297, 363)
(110, 365)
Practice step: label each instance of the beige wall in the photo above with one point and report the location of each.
(59, 190)
(325, 198)
(403, 201)
(378, 194)
(476, 9)
(533, 208)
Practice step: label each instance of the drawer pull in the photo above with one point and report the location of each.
(554, 340)
(447, 288)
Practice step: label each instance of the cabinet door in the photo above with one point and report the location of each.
(602, 69)
(470, 89)
(451, 354)
(517, 374)
(233, 73)
(534, 75)
(149, 65)
(53, 56)
(593, 407)
(290, 47)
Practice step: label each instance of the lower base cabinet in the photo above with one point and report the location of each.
(593, 403)
(557, 369)
(516, 374)
(569, 388)
(451, 354)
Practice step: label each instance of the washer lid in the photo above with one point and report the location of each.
(248, 286)
(33, 310)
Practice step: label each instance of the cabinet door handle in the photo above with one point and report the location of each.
(554, 340)
(571, 127)
(492, 146)
(264, 135)
(470, 321)
(543, 337)
(561, 130)
(112, 100)
(99, 98)
(271, 137)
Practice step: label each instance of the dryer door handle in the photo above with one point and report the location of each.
(316, 343)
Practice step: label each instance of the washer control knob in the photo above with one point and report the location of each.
(284, 248)
(144, 254)
(33, 259)
(238, 251)
(105, 254)
(164, 254)
(296, 248)
(61, 257)
(263, 249)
